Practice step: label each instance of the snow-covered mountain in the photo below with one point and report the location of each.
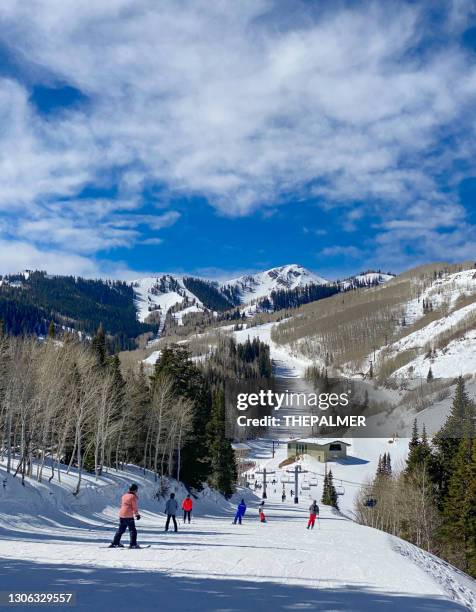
(255, 286)
(157, 295)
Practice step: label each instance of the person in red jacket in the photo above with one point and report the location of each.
(262, 516)
(128, 510)
(187, 506)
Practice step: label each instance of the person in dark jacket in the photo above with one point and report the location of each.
(128, 510)
(240, 512)
(171, 508)
(313, 513)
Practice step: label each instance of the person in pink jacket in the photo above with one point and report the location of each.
(128, 510)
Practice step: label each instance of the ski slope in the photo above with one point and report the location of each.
(350, 474)
(285, 363)
(51, 541)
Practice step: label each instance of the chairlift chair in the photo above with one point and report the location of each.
(340, 489)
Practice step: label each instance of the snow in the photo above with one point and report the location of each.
(51, 541)
(366, 278)
(152, 358)
(425, 336)
(441, 291)
(286, 364)
(321, 441)
(458, 358)
(251, 287)
(255, 286)
(145, 297)
(351, 473)
(178, 316)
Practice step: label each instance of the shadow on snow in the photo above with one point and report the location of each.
(120, 589)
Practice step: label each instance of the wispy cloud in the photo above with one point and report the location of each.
(238, 104)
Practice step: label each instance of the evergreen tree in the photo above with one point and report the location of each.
(458, 529)
(138, 400)
(332, 491)
(189, 382)
(379, 466)
(51, 330)
(224, 474)
(420, 455)
(388, 465)
(99, 345)
(329, 493)
(429, 376)
(384, 467)
(325, 489)
(460, 423)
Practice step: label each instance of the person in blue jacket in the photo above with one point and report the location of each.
(240, 512)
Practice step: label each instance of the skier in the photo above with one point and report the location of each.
(262, 517)
(187, 506)
(240, 512)
(171, 508)
(128, 510)
(283, 495)
(313, 513)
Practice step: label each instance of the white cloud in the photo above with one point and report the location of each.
(237, 103)
(16, 256)
(341, 251)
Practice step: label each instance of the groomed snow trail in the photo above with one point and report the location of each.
(210, 564)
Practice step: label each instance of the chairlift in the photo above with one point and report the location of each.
(313, 482)
(340, 489)
(305, 485)
(370, 502)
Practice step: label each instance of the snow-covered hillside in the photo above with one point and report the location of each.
(255, 286)
(366, 279)
(160, 293)
(53, 542)
(432, 322)
(446, 343)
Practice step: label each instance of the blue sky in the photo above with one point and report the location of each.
(218, 138)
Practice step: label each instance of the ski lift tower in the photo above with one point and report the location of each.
(297, 470)
(265, 473)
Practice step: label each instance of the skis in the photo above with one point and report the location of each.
(127, 547)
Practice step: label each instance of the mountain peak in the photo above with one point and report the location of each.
(289, 276)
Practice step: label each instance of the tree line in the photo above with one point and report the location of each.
(68, 406)
(432, 502)
(28, 303)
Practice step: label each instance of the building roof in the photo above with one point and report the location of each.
(319, 441)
